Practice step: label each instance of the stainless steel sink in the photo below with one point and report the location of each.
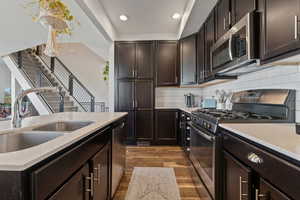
(17, 141)
(63, 126)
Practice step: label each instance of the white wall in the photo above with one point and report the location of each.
(87, 67)
(174, 97)
(19, 31)
(5, 81)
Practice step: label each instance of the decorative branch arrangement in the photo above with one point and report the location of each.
(56, 16)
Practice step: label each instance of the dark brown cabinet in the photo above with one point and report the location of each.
(209, 41)
(125, 95)
(100, 167)
(188, 60)
(237, 178)
(167, 63)
(125, 60)
(223, 18)
(268, 192)
(144, 95)
(201, 55)
(145, 125)
(279, 27)
(135, 94)
(76, 188)
(239, 8)
(144, 60)
(166, 122)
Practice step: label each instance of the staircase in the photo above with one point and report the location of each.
(38, 70)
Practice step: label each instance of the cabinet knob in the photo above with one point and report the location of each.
(255, 158)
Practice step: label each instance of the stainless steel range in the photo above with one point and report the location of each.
(252, 106)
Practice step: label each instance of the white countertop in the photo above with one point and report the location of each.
(23, 159)
(185, 109)
(278, 137)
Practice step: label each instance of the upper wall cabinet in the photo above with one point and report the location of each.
(145, 60)
(201, 55)
(223, 17)
(239, 8)
(125, 60)
(188, 60)
(135, 60)
(279, 27)
(209, 41)
(167, 63)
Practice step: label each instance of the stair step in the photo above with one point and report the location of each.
(67, 109)
(56, 103)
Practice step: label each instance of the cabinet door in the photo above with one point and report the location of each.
(239, 8)
(167, 63)
(130, 137)
(144, 60)
(188, 60)
(278, 32)
(222, 18)
(144, 94)
(100, 165)
(201, 54)
(166, 122)
(125, 95)
(144, 125)
(237, 179)
(209, 41)
(125, 60)
(76, 187)
(268, 192)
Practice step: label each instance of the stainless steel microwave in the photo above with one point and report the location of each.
(237, 51)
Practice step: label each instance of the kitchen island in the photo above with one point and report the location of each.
(74, 165)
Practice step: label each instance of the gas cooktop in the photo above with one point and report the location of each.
(233, 116)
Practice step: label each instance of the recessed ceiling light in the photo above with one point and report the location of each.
(176, 16)
(123, 18)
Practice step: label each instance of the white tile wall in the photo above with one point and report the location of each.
(287, 77)
(174, 97)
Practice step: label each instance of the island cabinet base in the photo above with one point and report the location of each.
(79, 172)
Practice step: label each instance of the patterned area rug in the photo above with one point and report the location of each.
(153, 183)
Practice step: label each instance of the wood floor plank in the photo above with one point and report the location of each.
(159, 156)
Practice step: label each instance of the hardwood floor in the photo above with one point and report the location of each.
(159, 156)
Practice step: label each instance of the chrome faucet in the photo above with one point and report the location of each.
(17, 116)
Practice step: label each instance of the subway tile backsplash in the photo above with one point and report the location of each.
(287, 77)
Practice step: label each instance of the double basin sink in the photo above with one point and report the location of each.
(18, 140)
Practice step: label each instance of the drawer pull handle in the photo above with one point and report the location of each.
(258, 196)
(255, 158)
(241, 188)
(91, 183)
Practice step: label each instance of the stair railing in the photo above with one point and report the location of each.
(68, 80)
(42, 79)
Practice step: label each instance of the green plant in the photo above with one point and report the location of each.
(106, 71)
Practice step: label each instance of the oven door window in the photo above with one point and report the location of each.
(203, 156)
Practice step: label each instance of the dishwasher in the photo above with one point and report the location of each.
(118, 155)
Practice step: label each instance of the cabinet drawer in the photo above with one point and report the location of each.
(46, 179)
(279, 172)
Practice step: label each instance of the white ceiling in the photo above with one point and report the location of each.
(147, 18)
(199, 13)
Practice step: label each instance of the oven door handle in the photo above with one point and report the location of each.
(210, 138)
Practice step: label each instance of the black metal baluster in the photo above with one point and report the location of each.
(71, 81)
(52, 64)
(20, 60)
(62, 101)
(92, 104)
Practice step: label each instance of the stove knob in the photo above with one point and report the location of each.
(188, 149)
(188, 139)
(188, 118)
(188, 128)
